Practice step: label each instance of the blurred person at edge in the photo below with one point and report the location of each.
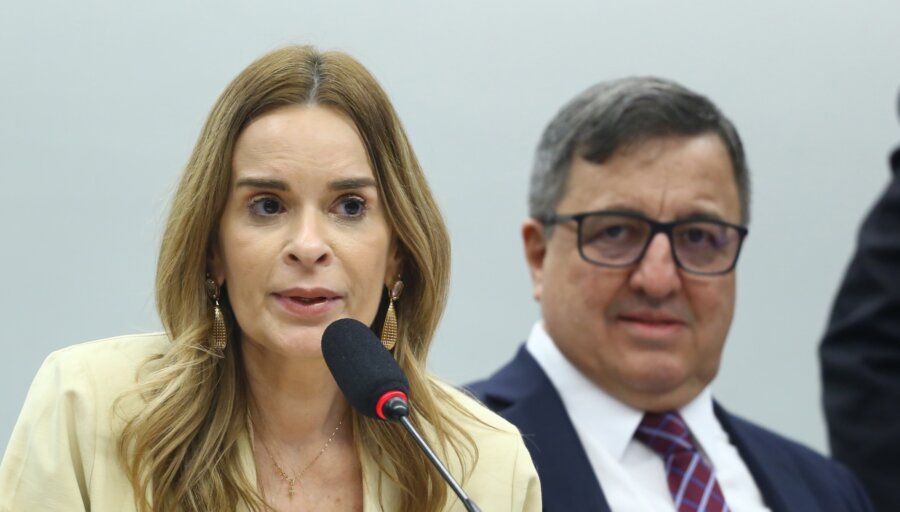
(639, 203)
(860, 353)
(302, 203)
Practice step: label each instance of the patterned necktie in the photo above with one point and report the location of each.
(691, 481)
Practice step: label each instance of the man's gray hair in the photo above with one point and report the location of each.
(614, 115)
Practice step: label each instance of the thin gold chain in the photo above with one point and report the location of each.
(298, 477)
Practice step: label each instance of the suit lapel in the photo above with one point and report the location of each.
(523, 394)
(772, 469)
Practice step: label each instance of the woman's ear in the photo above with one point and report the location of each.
(394, 268)
(215, 264)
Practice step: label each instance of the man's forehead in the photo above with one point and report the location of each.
(656, 176)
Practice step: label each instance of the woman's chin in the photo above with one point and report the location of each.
(297, 345)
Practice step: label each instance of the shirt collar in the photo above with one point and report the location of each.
(598, 417)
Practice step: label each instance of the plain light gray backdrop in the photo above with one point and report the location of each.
(103, 101)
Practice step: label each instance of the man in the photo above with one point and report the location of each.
(861, 354)
(639, 201)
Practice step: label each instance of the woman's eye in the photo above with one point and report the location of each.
(266, 206)
(351, 206)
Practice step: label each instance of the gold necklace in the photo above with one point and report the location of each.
(298, 477)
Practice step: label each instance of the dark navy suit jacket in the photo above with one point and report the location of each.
(792, 478)
(861, 354)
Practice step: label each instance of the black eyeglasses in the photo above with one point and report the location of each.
(620, 239)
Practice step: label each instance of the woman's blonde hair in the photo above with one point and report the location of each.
(181, 448)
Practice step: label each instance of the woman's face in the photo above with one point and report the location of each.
(304, 238)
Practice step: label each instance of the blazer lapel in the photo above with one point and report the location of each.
(522, 393)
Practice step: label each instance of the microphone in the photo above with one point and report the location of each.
(375, 385)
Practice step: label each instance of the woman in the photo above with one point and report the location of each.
(302, 203)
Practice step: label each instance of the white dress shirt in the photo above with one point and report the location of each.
(631, 474)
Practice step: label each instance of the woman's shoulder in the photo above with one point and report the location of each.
(69, 418)
(504, 477)
(478, 416)
(121, 349)
(111, 354)
(105, 366)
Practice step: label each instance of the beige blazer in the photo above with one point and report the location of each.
(62, 454)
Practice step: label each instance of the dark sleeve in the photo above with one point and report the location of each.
(860, 354)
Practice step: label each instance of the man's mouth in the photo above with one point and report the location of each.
(652, 319)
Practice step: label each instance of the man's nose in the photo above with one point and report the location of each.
(657, 273)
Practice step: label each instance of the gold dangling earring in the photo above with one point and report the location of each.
(389, 329)
(219, 335)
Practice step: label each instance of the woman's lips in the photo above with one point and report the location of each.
(307, 303)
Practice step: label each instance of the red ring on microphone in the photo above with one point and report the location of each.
(384, 398)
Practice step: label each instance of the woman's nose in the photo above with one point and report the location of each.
(307, 242)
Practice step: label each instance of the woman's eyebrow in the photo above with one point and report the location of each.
(261, 183)
(351, 183)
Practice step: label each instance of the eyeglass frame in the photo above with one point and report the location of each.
(656, 227)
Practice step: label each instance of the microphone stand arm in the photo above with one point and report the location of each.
(466, 501)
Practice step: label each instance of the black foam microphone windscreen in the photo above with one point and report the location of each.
(362, 367)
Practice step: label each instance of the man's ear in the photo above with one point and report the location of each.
(535, 245)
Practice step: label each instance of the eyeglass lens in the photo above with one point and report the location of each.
(699, 246)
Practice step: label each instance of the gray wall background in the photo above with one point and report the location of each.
(102, 102)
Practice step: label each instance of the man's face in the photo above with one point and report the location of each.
(650, 334)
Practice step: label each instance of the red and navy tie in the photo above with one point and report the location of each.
(691, 481)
